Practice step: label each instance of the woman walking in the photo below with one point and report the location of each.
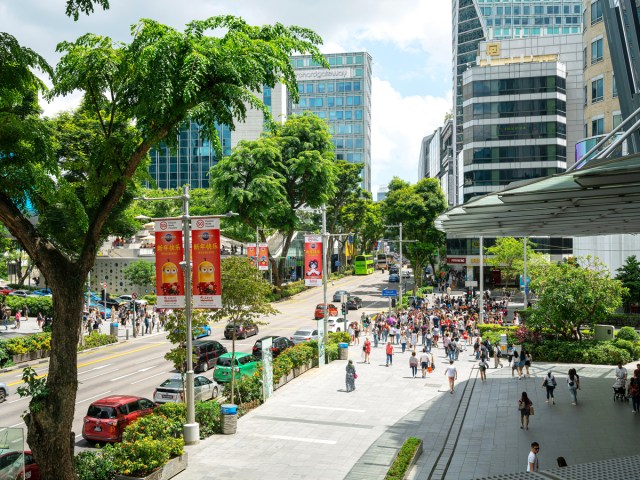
(516, 361)
(483, 370)
(403, 341)
(452, 375)
(351, 376)
(424, 362)
(413, 363)
(634, 390)
(521, 364)
(550, 384)
(526, 407)
(573, 383)
(527, 361)
(367, 350)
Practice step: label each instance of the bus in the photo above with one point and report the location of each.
(381, 261)
(364, 264)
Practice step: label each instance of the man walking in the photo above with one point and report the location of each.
(389, 354)
(532, 459)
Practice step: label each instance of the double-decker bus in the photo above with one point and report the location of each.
(381, 261)
(364, 264)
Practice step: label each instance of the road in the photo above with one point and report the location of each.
(136, 367)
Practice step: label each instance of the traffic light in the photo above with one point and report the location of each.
(393, 303)
(344, 309)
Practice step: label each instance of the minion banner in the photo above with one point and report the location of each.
(205, 255)
(169, 254)
(313, 260)
(263, 256)
(251, 252)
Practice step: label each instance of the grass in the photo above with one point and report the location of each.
(402, 461)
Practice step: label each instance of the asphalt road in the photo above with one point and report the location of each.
(136, 367)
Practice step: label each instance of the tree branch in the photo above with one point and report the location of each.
(97, 106)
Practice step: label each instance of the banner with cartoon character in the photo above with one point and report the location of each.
(205, 258)
(251, 253)
(313, 260)
(169, 254)
(263, 256)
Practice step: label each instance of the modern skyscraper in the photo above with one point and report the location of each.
(341, 96)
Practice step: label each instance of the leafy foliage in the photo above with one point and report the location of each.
(76, 7)
(34, 387)
(95, 339)
(207, 415)
(95, 466)
(176, 327)
(141, 273)
(628, 333)
(508, 254)
(629, 275)
(402, 462)
(247, 389)
(586, 351)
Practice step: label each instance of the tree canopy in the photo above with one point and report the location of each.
(508, 254)
(629, 275)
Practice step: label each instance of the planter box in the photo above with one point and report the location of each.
(412, 462)
(169, 470)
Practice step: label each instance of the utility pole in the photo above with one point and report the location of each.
(401, 276)
(325, 335)
(481, 298)
(524, 281)
(257, 246)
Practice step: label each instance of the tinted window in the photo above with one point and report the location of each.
(96, 411)
(244, 360)
(144, 403)
(303, 333)
(224, 362)
(172, 383)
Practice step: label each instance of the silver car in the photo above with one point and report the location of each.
(304, 335)
(4, 391)
(172, 389)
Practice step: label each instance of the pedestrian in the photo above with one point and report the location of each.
(397, 336)
(573, 383)
(527, 361)
(413, 363)
(516, 361)
(352, 334)
(356, 333)
(452, 375)
(532, 459)
(424, 362)
(403, 341)
(367, 350)
(351, 376)
(375, 336)
(634, 390)
(389, 354)
(392, 334)
(482, 366)
(40, 320)
(496, 356)
(414, 339)
(25, 311)
(17, 317)
(550, 384)
(5, 318)
(510, 353)
(521, 363)
(525, 405)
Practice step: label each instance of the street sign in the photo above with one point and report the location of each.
(134, 295)
(389, 293)
(522, 281)
(471, 283)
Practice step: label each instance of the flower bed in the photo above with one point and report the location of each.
(409, 452)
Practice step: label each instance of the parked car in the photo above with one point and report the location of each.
(43, 292)
(244, 364)
(278, 345)
(394, 278)
(207, 353)
(354, 303)
(337, 296)
(319, 313)
(243, 330)
(20, 293)
(11, 463)
(172, 389)
(304, 335)
(6, 290)
(4, 391)
(406, 273)
(199, 332)
(336, 324)
(107, 418)
(394, 269)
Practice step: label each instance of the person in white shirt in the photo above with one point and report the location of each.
(424, 362)
(452, 375)
(621, 372)
(532, 459)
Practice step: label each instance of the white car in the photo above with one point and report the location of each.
(20, 293)
(406, 273)
(336, 324)
(4, 391)
(304, 335)
(172, 389)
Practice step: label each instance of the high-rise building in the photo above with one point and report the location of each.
(435, 159)
(341, 96)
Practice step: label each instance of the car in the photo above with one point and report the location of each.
(278, 345)
(304, 335)
(43, 292)
(243, 329)
(199, 332)
(394, 278)
(319, 312)
(172, 389)
(20, 293)
(244, 365)
(4, 391)
(337, 296)
(406, 273)
(107, 418)
(11, 463)
(354, 303)
(6, 290)
(336, 324)
(394, 269)
(207, 353)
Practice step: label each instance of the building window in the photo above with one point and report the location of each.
(596, 11)
(597, 126)
(585, 95)
(584, 58)
(616, 120)
(597, 90)
(596, 50)
(615, 87)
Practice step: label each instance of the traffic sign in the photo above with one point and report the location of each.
(389, 293)
(134, 295)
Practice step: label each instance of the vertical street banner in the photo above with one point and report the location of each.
(169, 254)
(313, 260)
(205, 258)
(251, 252)
(263, 256)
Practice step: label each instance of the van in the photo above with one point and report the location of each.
(107, 418)
(207, 353)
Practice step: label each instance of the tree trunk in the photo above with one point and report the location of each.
(49, 420)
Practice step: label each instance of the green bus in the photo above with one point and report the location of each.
(364, 264)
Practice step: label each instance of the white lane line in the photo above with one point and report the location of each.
(17, 425)
(123, 376)
(329, 408)
(150, 376)
(95, 368)
(297, 439)
(19, 399)
(94, 396)
(99, 375)
(78, 436)
(148, 368)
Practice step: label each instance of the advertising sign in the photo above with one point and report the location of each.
(263, 256)
(267, 368)
(205, 257)
(251, 252)
(313, 260)
(169, 254)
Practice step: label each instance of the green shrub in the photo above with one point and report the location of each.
(632, 347)
(282, 365)
(15, 346)
(208, 415)
(173, 411)
(157, 427)
(151, 298)
(627, 333)
(5, 357)
(247, 389)
(140, 458)
(96, 465)
(331, 352)
(339, 337)
(403, 459)
(95, 339)
(35, 304)
(587, 351)
(623, 319)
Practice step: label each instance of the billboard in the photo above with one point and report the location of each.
(205, 258)
(251, 252)
(169, 254)
(263, 256)
(313, 260)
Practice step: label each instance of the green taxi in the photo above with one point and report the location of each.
(245, 364)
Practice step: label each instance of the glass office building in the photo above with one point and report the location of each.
(341, 96)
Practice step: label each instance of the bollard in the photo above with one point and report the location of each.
(127, 333)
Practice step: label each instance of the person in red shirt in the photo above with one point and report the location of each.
(367, 350)
(389, 354)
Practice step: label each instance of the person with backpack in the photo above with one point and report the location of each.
(573, 383)
(550, 384)
(525, 406)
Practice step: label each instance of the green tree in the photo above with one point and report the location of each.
(570, 296)
(176, 327)
(244, 298)
(76, 7)
(508, 255)
(134, 96)
(629, 275)
(140, 273)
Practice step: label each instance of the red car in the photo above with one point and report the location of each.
(107, 418)
(6, 290)
(11, 466)
(319, 313)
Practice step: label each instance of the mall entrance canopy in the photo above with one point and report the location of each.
(603, 197)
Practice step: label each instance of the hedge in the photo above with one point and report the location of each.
(402, 461)
(35, 304)
(587, 351)
(623, 320)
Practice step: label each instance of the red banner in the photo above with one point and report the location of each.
(169, 254)
(205, 258)
(457, 260)
(263, 256)
(313, 260)
(251, 252)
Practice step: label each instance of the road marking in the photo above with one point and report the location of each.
(150, 376)
(98, 375)
(14, 401)
(95, 368)
(94, 396)
(148, 368)
(297, 439)
(17, 425)
(123, 376)
(329, 408)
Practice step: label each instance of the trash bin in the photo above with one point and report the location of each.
(229, 422)
(113, 329)
(343, 351)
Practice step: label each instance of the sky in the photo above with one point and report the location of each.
(409, 41)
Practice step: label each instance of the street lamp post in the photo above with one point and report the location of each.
(325, 334)
(481, 298)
